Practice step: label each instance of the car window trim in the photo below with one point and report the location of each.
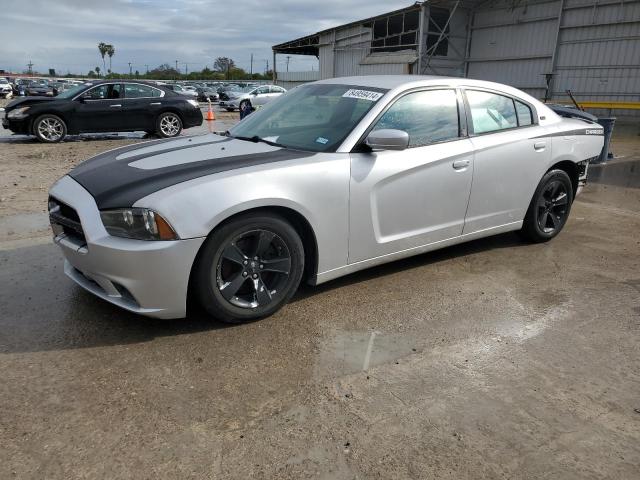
(513, 98)
(117, 83)
(390, 103)
(124, 84)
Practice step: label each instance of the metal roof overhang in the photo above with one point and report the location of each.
(310, 44)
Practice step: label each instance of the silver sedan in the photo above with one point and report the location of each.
(333, 177)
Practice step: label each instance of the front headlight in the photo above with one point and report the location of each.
(194, 103)
(18, 112)
(137, 223)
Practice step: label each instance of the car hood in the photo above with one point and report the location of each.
(118, 178)
(24, 101)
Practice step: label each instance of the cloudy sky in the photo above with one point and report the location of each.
(64, 34)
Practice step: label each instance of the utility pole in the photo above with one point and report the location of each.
(251, 69)
(267, 68)
(177, 66)
(130, 72)
(186, 66)
(288, 57)
(30, 65)
(147, 67)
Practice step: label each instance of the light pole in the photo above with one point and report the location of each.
(130, 72)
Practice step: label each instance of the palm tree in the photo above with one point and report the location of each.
(111, 50)
(102, 47)
(98, 71)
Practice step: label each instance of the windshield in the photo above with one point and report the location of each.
(316, 117)
(72, 92)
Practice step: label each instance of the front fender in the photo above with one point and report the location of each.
(316, 188)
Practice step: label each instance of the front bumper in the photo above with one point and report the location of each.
(17, 125)
(146, 277)
(229, 103)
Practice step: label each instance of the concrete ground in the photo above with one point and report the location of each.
(494, 359)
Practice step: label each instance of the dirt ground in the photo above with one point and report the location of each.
(496, 359)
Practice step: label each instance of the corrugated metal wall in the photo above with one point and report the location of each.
(290, 80)
(592, 47)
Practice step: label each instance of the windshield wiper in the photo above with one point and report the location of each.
(256, 139)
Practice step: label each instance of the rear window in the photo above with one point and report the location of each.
(491, 112)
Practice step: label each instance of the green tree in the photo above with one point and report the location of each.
(98, 71)
(111, 50)
(102, 48)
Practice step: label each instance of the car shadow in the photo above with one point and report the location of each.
(41, 314)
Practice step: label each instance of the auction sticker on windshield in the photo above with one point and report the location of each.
(362, 94)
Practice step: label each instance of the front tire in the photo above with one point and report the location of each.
(249, 268)
(549, 208)
(168, 125)
(49, 128)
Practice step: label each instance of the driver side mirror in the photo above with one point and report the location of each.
(387, 139)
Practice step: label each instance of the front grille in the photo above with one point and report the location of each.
(64, 219)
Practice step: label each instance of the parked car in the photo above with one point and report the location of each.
(254, 97)
(6, 90)
(183, 90)
(333, 177)
(35, 89)
(104, 106)
(205, 94)
(225, 91)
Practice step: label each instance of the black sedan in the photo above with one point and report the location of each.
(104, 106)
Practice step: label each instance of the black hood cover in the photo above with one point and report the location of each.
(118, 178)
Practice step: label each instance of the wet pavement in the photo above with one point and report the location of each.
(494, 359)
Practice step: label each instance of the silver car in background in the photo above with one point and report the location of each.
(254, 97)
(333, 177)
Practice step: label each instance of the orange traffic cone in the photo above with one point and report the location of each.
(210, 115)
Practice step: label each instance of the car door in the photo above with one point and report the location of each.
(261, 96)
(406, 199)
(142, 104)
(510, 158)
(99, 109)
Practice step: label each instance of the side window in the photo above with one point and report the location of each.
(275, 89)
(135, 90)
(491, 112)
(263, 90)
(104, 92)
(428, 117)
(524, 114)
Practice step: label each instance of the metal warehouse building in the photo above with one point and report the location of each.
(545, 47)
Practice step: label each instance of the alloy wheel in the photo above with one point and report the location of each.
(253, 269)
(50, 129)
(552, 206)
(170, 125)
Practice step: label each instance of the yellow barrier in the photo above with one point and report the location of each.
(607, 105)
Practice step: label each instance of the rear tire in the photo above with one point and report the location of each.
(549, 208)
(248, 268)
(49, 128)
(168, 125)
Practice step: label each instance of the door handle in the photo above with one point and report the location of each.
(539, 146)
(155, 103)
(115, 106)
(460, 164)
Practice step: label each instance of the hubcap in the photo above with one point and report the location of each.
(50, 129)
(170, 125)
(552, 206)
(253, 269)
